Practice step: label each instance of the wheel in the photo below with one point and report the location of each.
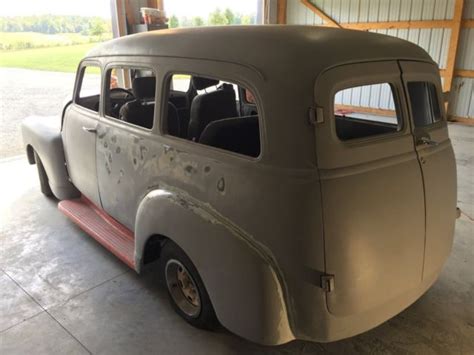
(43, 178)
(186, 291)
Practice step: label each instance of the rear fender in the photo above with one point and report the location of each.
(240, 275)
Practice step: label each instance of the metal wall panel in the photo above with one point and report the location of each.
(468, 12)
(465, 56)
(352, 11)
(462, 92)
(462, 95)
(435, 41)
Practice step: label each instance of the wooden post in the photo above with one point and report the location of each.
(156, 4)
(453, 44)
(121, 19)
(281, 12)
(130, 14)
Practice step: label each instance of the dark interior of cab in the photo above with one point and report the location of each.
(216, 117)
(351, 128)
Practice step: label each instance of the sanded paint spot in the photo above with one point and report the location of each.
(221, 185)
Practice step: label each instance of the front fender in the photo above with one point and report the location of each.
(240, 276)
(43, 134)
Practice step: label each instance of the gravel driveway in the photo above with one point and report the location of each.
(26, 92)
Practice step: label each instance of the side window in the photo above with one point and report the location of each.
(131, 95)
(89, 88)
(364, 111)
(212, 116)
(424, 103)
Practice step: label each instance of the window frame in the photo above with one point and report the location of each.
(162, 129)
(397, 100)
(106, 91)
(78, 85)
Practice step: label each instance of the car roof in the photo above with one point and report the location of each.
(267, 48)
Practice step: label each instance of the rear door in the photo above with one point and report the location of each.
(435, 153)
(371, 184)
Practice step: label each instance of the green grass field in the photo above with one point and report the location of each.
(63, 58)
(28, 40)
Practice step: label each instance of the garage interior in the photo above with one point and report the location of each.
(62, 292)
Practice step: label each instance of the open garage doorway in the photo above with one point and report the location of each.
(41, 45)
(185, 13)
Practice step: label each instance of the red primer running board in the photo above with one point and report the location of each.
(99, 225)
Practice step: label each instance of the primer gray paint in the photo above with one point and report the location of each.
(265, 233)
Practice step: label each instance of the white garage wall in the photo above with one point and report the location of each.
(434, 41)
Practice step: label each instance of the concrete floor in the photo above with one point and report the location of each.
(25, 92)
(62, 293)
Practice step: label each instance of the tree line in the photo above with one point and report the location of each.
(52, 24)
(216, 17)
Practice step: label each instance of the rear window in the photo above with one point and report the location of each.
(424, 103)
(366, 110)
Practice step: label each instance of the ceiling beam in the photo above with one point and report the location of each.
(364, 26)
(468, 23)
(329, 20)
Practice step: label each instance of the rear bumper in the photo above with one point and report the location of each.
(334, 328)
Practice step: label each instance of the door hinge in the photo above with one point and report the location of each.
(327, 282)
(315, 115)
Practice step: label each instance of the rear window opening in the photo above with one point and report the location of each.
(365, 111)
(213, 112)
(424, 103)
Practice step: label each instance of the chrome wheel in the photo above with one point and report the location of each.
(182, 288)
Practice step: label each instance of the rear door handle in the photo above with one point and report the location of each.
(89, 129)
(426, 141)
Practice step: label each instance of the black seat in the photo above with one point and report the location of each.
(173, 120)
(140, 111)
(238, 134)
(209, 107)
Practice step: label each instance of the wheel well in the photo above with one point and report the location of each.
(153, 248)
(30, 153)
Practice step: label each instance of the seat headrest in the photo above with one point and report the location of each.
(203, 83)
(144, 87)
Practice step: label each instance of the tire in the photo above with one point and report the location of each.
(43, 178)
(203, 316)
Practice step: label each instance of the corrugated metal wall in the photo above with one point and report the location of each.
(434, 41)
(463, 88)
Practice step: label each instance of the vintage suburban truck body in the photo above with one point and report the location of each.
(317, 238)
